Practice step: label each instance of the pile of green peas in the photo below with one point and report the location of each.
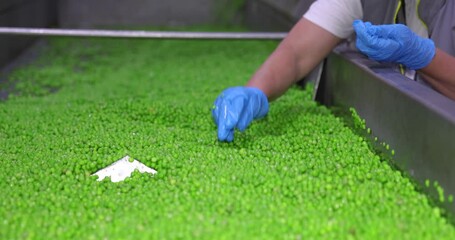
(300, 173)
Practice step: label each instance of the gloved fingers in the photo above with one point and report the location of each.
(365, 30)
(228, 117)
(221, 117)
(365, 43)
(381, 50)
(374, 42)
(246, 117)
(373, 36)
(236, 107)
(220, 123)
(366, 48)
(233, 110)
(230, 136)
(369, 30)
(259, 104)
(225, 134)
(393, 43)
(359, 26)
(365, 34)
(391, 31)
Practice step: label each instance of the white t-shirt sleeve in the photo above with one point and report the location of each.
(335, 16)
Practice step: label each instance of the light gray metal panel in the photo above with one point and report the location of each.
(413, 119)
(89, 13)
(140, 34)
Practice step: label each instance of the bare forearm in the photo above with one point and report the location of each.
(440, 73)
(305, 46)
(277, 74)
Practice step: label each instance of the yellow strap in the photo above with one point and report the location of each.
(402, 70)
(417, 13)
(396, 11)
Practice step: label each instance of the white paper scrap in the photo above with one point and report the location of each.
(123, 168)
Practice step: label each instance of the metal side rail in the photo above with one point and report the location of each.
(416, 121)
(142, 34)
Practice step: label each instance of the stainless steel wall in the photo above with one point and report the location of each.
(272, 15)
(23, 13)
(99, 13)
(268, 15)
(90, 13)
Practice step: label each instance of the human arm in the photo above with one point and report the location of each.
(397, 43)
(304, 47)
(440, 73)
(310, 40)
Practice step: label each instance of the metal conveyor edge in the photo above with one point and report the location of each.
(416, 121)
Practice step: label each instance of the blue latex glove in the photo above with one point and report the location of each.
(394, 43)
(236, 107)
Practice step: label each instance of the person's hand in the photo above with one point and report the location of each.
(394, 43)
(237, 107)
